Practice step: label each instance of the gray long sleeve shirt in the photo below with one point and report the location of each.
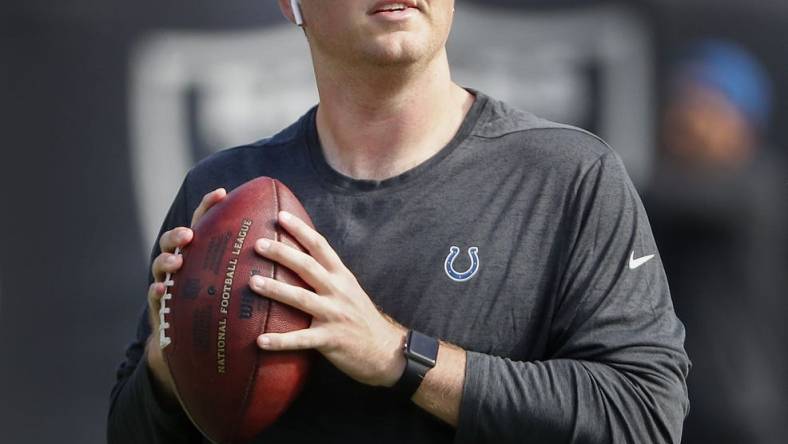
(554, 288)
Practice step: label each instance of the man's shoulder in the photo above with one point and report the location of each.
(256, 157)
(275, 156)
(523, 130)
(286, 138)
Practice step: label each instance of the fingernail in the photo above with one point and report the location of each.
(264, 341)
(258, 281)
(263, 244)
(285, 216)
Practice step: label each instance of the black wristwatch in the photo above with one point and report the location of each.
(421, 353)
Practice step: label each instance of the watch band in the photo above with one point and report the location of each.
(421, 353)
(411, 378)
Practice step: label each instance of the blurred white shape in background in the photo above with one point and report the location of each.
(248, 85)
(590, 66)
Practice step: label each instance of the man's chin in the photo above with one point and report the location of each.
(395, 51)
(392, 61)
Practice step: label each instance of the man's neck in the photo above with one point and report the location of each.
(375, 126)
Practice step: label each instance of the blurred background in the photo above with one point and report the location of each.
(105, 104)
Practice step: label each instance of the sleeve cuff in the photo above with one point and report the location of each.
(170, 419)
(470, 406)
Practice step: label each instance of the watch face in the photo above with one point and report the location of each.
(423, 348)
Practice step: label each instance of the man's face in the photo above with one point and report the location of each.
(378, 32)
(703, 129)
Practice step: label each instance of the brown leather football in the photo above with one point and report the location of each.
(230, 388)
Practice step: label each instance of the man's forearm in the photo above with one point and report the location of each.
(161, 378)
(567, 401)
(441, 391)
(138, 412)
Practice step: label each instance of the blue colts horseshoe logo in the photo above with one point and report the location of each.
(456, 276)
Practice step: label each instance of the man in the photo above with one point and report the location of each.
(519, 243)
(718, 203)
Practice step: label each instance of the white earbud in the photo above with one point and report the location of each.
(296, 7)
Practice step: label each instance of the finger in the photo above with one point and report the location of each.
(207, 202)
(175, 238)
(291, 295)
(155, 293)
(310, 338)
(165, 263)
(299, 262)
(317, 245)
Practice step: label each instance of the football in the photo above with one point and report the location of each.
(230, 389)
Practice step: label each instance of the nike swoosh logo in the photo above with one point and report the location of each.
(635, 263)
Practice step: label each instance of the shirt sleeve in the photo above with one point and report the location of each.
(616, 369)
(136, 413)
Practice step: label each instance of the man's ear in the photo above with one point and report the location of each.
(291, 9)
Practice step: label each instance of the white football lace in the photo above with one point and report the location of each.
(165, 340)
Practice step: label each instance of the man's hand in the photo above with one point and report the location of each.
(346, 327)
(167, 263)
